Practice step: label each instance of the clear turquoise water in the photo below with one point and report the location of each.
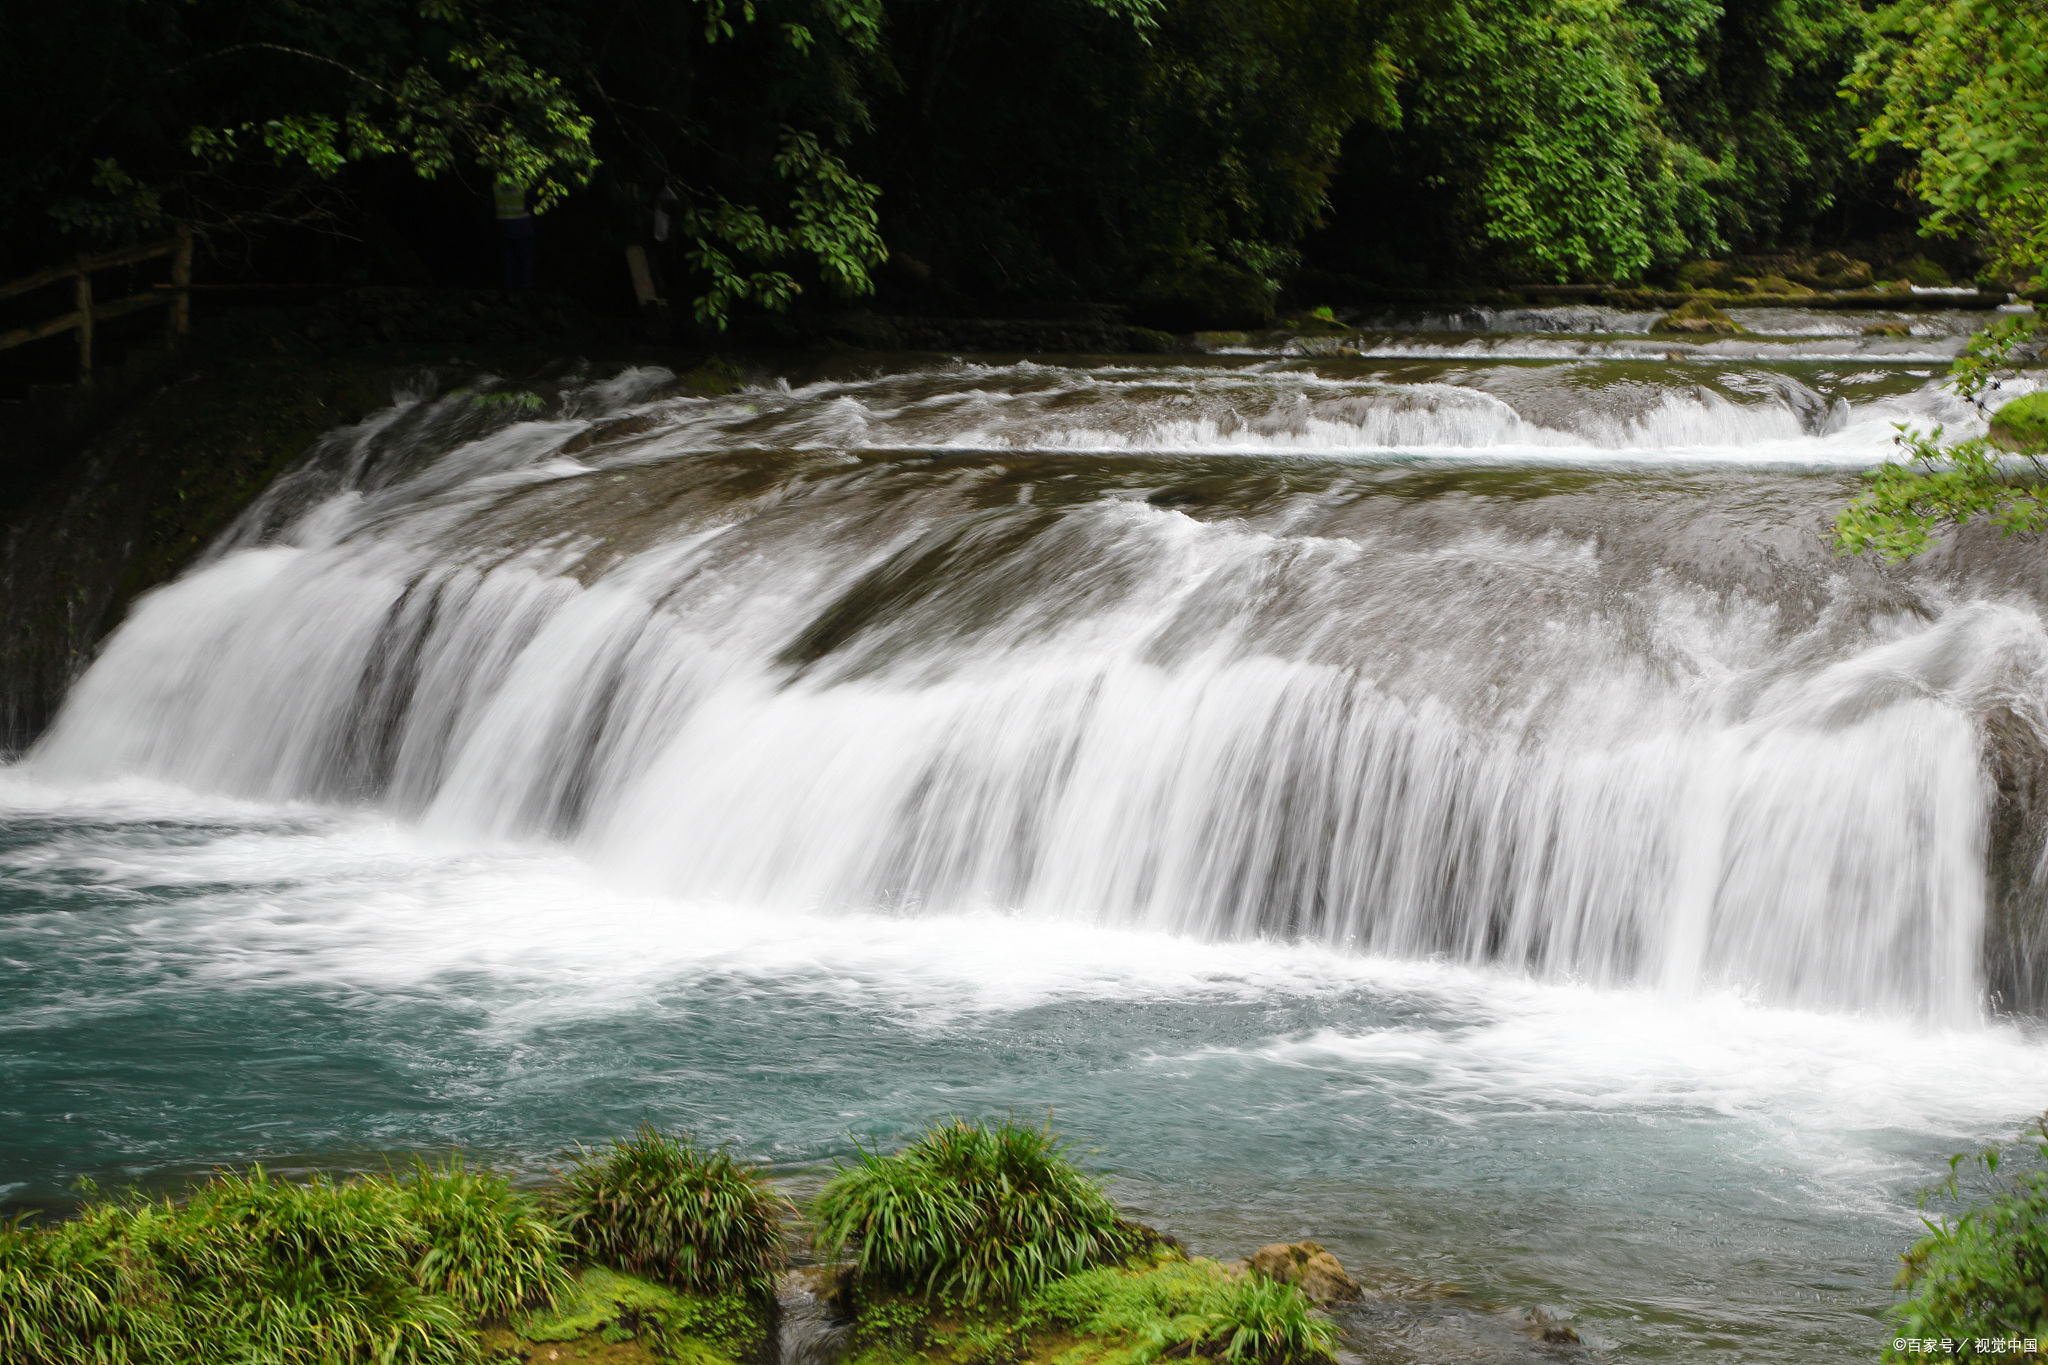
(186, 983)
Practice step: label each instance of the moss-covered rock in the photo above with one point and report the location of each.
(1161, 1307)
(1777, 286)
(1923, 272)
(1696, 318)
(1203, 295)
(1831, 270)
(2022, 425)
(616, 1319)
(1853, 275)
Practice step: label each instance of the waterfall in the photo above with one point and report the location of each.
(1157, 649)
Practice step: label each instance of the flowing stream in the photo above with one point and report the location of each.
(1441, 798)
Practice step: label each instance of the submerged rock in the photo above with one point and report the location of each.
(816, 1315)
(2021, 426)
(1307, 1265)
(1888, 329)
(603, 433)
(1698, 318)
(1545, 1328)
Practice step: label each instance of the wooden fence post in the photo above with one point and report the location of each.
(83, 297)
(179, 318)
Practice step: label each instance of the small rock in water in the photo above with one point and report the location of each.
(1544, 1327)
(1307, 1265)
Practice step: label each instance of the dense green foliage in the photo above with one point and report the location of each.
(1047, 151)
(1190, 1308)
(256, 1269)
(404, 1268)
(1981, 1275)
(240, 113)
(1185, 158)
(1963, 86)
(1610, 138)
(245, 117)
(971, 1211)
(661, 1206)
(1994, 477)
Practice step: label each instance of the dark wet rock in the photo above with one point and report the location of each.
(1097, 335)
(2015, 950)
(604, 433)
(1888, 329)
(869, 331)
(1307, 1265)
(1149, 1238)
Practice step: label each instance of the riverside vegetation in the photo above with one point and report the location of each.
(1189, 160)
(2001, 477)
(976, 1243)
(1980, 1277)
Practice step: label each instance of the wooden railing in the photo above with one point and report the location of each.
(177, 296)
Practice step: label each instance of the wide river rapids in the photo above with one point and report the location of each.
(1443, 798)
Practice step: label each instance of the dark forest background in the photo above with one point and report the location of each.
(1189, 162)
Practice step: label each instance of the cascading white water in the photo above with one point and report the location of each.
(1205, 687)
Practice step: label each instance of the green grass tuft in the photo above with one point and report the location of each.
(664, 1208)
(971, 1212)
(484, 1247)
(250, 1268)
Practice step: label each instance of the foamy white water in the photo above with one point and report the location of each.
(857, 687)
(1457, 811)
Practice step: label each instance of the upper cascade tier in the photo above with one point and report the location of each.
(1153, 647)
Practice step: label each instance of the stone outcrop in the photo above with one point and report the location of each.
(1307, 1265)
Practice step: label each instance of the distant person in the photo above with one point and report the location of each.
(515, 235)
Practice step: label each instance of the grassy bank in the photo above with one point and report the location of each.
(976, 1245)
